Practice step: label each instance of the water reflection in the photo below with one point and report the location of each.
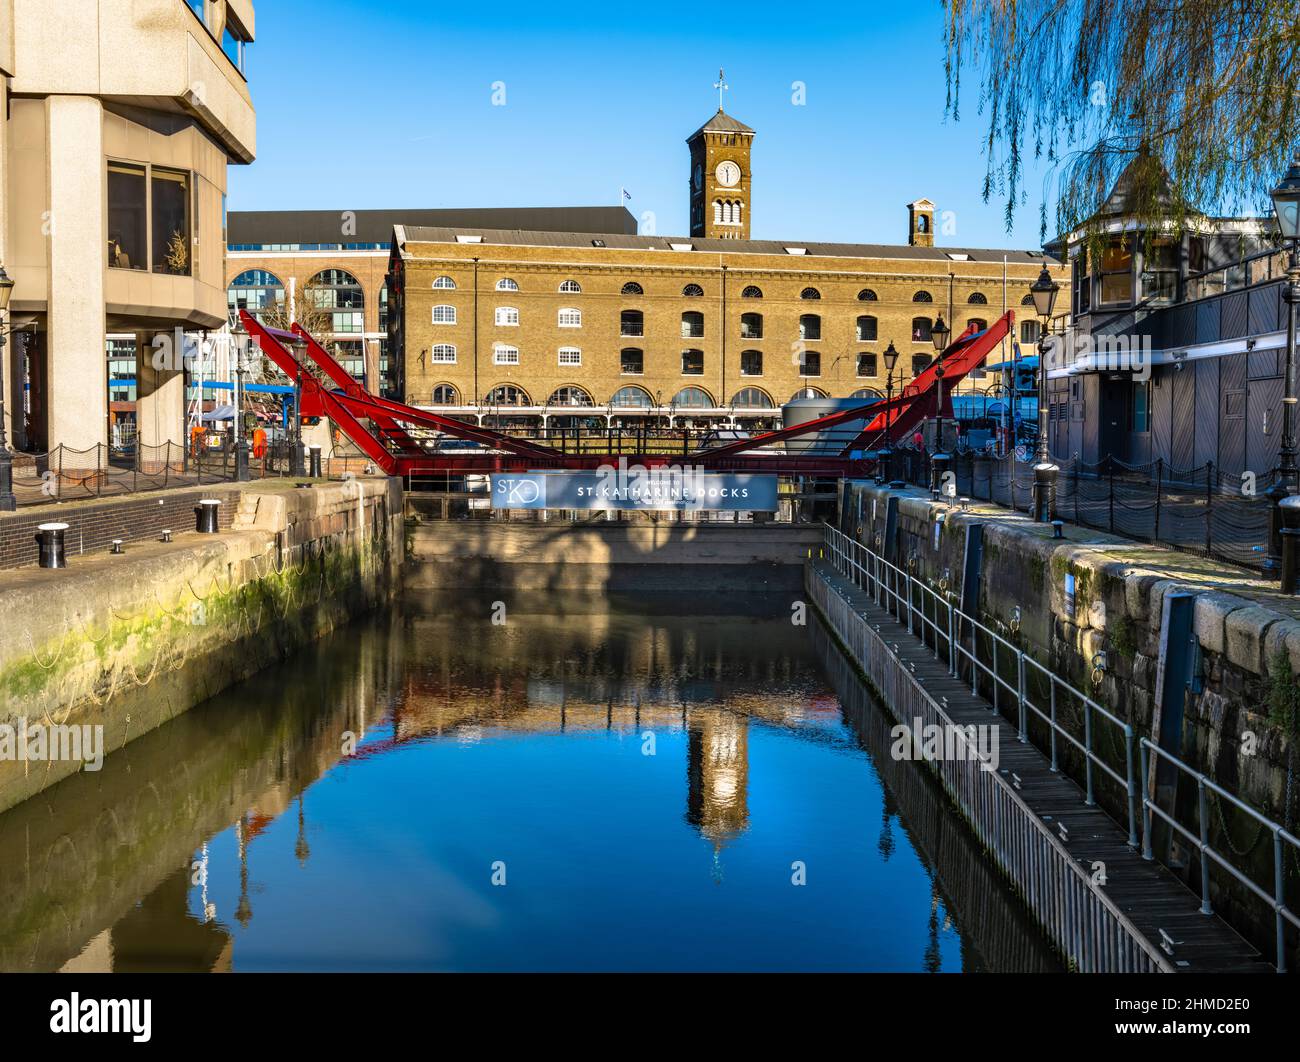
(590, 784)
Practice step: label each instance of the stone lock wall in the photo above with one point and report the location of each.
(129, 641)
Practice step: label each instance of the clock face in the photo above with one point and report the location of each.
(728, 174)
(699, 176)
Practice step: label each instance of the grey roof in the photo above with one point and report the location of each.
(376, 226)
(721, 122)
(624, 241)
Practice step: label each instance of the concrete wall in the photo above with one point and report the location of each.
(129, 641)
(447, 554)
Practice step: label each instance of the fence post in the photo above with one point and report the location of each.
(1209, 508)
(1051, 683)
(907, 583)
(100, 471)
(1147, 853)
(60, 482)
(1110, 473)
(1160, 466)
(1279, 898)
(952, 646)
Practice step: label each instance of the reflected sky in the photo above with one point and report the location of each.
(611, 787)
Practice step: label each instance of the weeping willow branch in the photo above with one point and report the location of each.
(1203, 94)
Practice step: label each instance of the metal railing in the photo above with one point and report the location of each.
(1200, 840)
(974, 651)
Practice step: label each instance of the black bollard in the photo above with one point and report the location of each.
(205, 516)
(313, 462)
(1289, 510)
(50, 538)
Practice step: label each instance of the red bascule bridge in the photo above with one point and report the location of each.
(836, 445)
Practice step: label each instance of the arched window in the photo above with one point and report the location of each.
(631, 361)
(569, 356)
(866, 329)
(867, 364)
(751, 363)
(507, 316)
(444, 315)
(632, 398)
(866, 392)
(338, 293)
(978, 298)
(693, 291)
(1028, 300)
(920, 362)
(717, 212)
(692, 325)
(569, 395)
(922, 223)
(444, 282)
(810, 363)
(923, 296)
(446, 395)
(751, 326)
(504, 354)
(752, 292)
(810, 293)
(693, 398)
(631, 323)
(752, 398)
(980, 324)
(807, 392)
(810, 326)
(442, 354)
(867, 295)
(570, 287)
(633, 288)
(507, 395)
(921, 329)
(257, 291)
(506, 284)
(570, 317)
(692, 362)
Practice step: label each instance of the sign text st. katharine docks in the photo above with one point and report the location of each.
(667, 489)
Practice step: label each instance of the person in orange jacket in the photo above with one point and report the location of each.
(259, 443)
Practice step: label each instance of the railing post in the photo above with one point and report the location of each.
(1203, 808)
(1279, 899)
(908, 584)
(1132, 785)
(1020, 695)
(1051, 682)
(1147, 854)
(974, 668)
(1087, 744)
(1160, 465)
(952, 645)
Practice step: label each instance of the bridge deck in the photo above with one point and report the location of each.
(1148, 894)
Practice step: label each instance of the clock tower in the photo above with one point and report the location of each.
(720, 178)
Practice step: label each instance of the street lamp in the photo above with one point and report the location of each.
(8, 503)
(939, 460)
(1044, 291)
(239, 341)
(1286, 205)
(886, 456)
(296, 467)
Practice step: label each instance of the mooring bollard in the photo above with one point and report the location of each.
(50, 538)
(313, 462)
(167, 534)
(1058, 528)
(116, 547)
(205, 514)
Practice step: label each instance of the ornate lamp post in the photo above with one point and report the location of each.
(939, 460)
(1044, 291)
(8, 503)
(1286, 518)
(239, 342)
(885, 458)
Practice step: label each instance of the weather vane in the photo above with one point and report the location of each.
(721, 86)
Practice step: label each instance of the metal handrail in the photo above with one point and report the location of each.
(882, 579)
(1201, 841)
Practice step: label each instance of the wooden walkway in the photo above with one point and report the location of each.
(1038, 822)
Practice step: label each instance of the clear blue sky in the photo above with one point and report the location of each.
(365, 105)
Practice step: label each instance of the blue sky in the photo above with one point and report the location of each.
(362, 105)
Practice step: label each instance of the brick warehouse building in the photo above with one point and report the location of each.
(714, 325)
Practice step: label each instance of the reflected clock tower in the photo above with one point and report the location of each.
(720, 175)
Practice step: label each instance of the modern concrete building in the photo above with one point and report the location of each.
(121, 117)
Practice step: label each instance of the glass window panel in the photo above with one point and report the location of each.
(127, 217)
(171, 223)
